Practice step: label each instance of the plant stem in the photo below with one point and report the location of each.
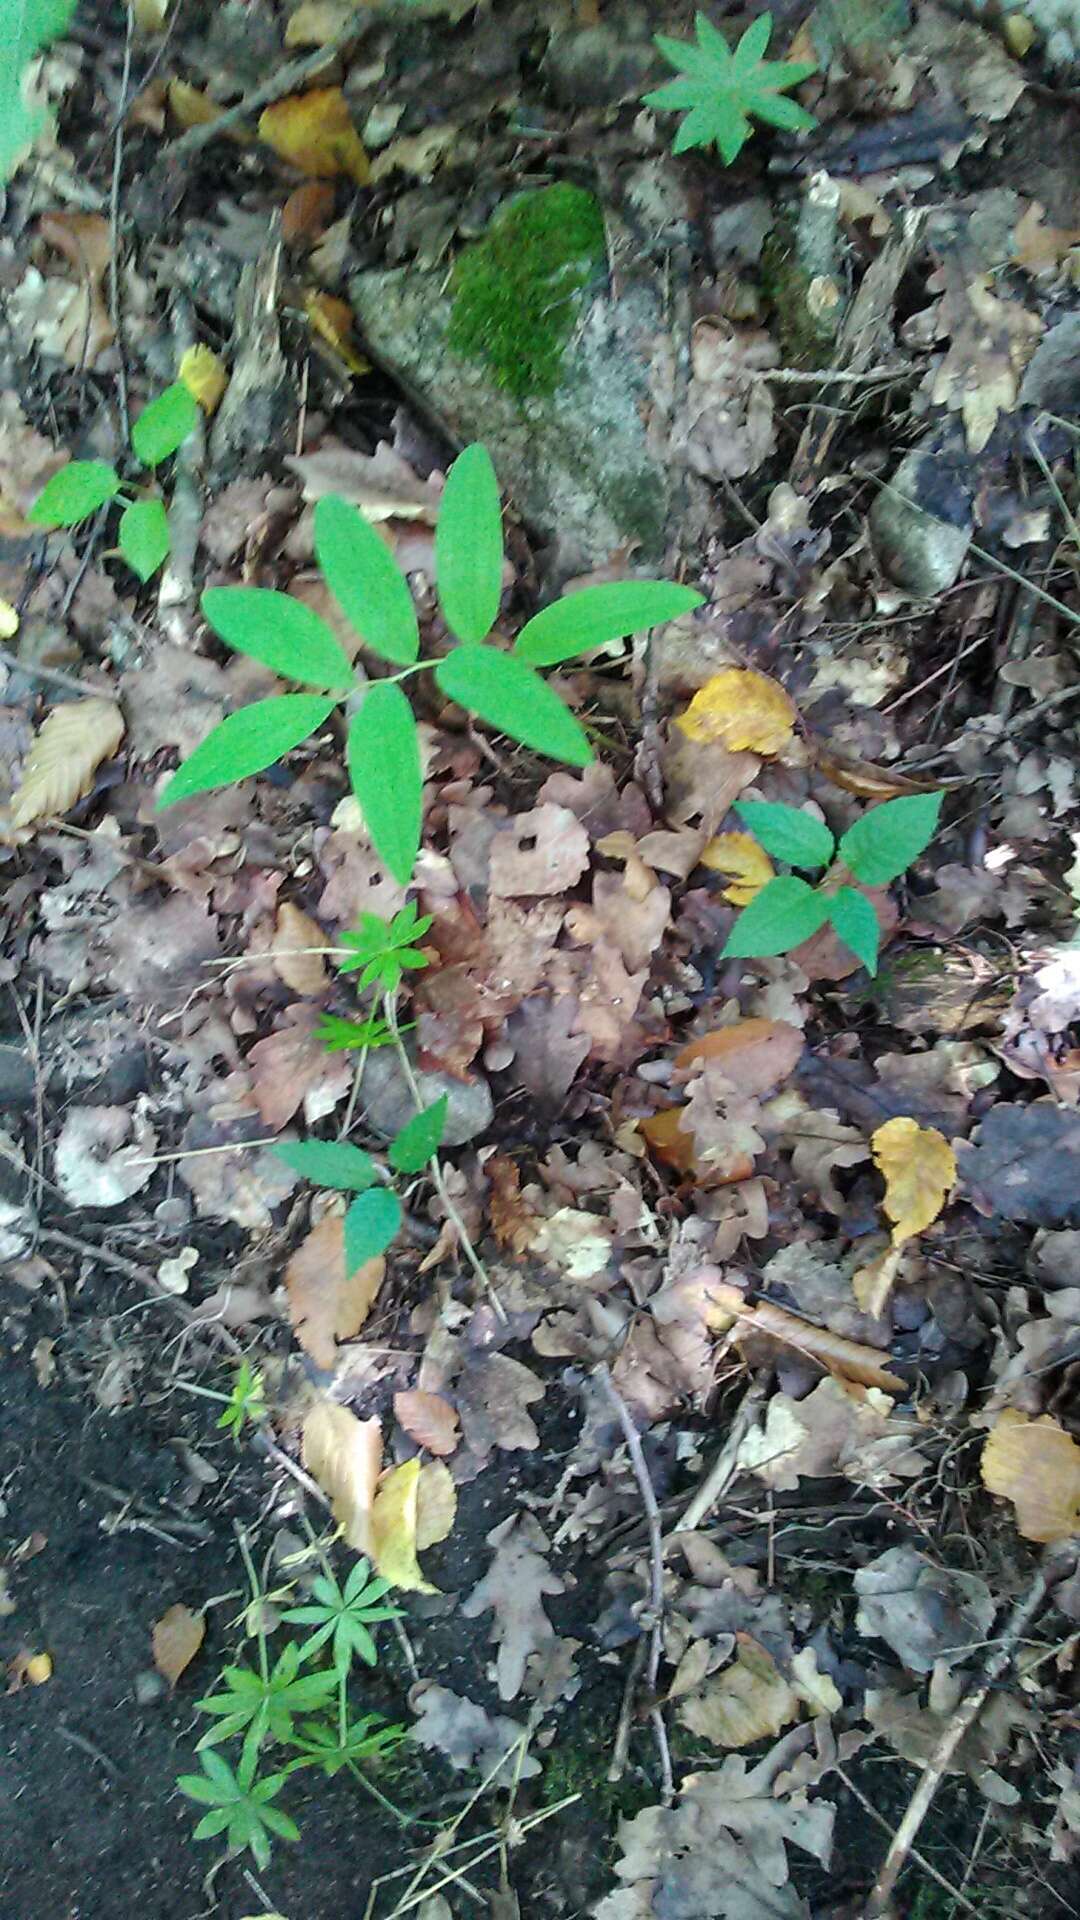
(256, 1602)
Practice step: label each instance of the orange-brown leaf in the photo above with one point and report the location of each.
(429, 1420)
(850, 1359)
(176, 1639)
(295, 934)
(324, 1307)
(755, 1054)
(314, 132)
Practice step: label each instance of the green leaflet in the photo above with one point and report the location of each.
(419, 1139)
(854, 919)
(370, 1224)
(143, 536)
(885, 841)
(366, 582)
(384, 767)
(787, 833)
(246, 742)
(74, 493)
(784, 914)
(511, 696)
(279, 630)
(597, 615)
(724, 90)
(164, 424)
(469, 546)
(25, 27)
(329, 1163)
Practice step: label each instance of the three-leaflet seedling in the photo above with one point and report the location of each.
(80, 488)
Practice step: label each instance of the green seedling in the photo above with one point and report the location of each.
(381, 950)
(344, 1616)
(788, 910)
(261, 1706)
(503, 689)
(723, 91)
(247, 1401)
(79, 489)
(239, 1804)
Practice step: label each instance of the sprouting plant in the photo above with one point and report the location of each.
(874, 851)
(247, 1400)
(381, 951)
(261, 1705)
(239, 1804)
(339, 1036)
(80, 488)
(723, 90)
(503, 689)
(343, 1616)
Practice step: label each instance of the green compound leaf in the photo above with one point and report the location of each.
(854, 919)
(787, 833)
(25, 27)
(469, 546)
(510, 695)
(164, 424)
(247, 742)
(384, 767)
(419, 1139)
(597, 615)
(74, 493)
(279, 630)
(784, 914)
(143, 536)
(370, 1225)
(723, 90)
(329, 1163)
(886, 840)
(366, 581)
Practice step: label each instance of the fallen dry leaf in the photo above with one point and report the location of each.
(69, 747)
(436, 1504)
(176, 1639)
(745, 863)
(748, 1701)
(314, 132)
(851, 1359)
(919, 1167)
(317, 21)
(429, 1420)
(1036, 1465)
(295, 934)
(756, 1055)
(26, 1669)
(394, 1517)
(333, 320)
(324, 1306)
(743, 710)
(344, 1455)
(467, 1736)
(85, 241)
(103, 1155)
(514, 1588)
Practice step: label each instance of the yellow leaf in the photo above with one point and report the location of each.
(204, 377)
(393, 1529)
(317, 21)
(919, 1168)
(436, 1504)
(38, 1669)
(332, 320)
(314, 131)
(344, 1455)
(745, 860)
(176, 1639)
(150, 15)
(817, 1692)
(63, 759)
(9, 621)
(743, 710)
(1036, 1465)
(748, 1701)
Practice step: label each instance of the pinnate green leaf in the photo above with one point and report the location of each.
(510, 695)
(246, 742)
(784, 914)
(370, 1224)
(143, 536)
(279, 630)
(853, 917)
(164, 424)
(384, 767)
(329, 1163)
(419, 1138)
(596, 615)
(74, 493)
(469, 546)
(885, 841)
(366, 581)
(787, 833)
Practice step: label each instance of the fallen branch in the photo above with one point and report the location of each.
(656, 1576)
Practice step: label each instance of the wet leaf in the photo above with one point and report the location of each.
(176, 1639)
(344, 1455)
(743, 710)
(314, 132)
(919, 1167)
(1036, 1465)
(70, 746)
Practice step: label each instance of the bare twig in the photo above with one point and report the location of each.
(723, 1469)
(920, 1859)
(53, 677)
(51, 1236)
(114, 224)
(286, 79)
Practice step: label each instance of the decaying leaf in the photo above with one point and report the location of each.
(513, 1589)
(295, 934)
(1036, 1465)
(344, 1455)
(394, 1523)
(103, 1155)
(749, 1700)
(818, 1692)
(467, 1736)
(755, 1055)
(429, 1420)
(924, 1612)
(69, 748)
(920, 1171)
(176, 1639)
(314, 131)
(324, 1306)
(839, 1428)
(743, 710)
(915, 1731)
(745, 863)
(851, 1359)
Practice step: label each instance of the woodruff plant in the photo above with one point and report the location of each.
(503, 689)
(724, 90)
(875, 850)
(80, 488)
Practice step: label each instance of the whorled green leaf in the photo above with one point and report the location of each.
(419, 1138)
(784, 914)
(469, 546)
(165, 424)
(371, 1223)
(510, 695)
(329, 1163)
(723, 90)
(854, 920)
(787, 833)
(884, 842)
(384, 768)
(366, 581)
(143, 536)
(73, 494)
(279, 630)
(246, 742)
(597, 615)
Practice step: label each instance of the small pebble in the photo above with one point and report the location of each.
(149, 1687)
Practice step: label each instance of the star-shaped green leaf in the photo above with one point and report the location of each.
(723, 91)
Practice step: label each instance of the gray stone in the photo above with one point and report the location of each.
(599, 66)
(581, 465)
(388, 1102)
(149, 1688)
(921, 523)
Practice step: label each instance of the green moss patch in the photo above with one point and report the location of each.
(517, 291)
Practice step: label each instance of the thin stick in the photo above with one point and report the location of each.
(287, 79)
(51, 1236)
(656, 1568)
(115, 314)
(961, 1723)
(723, 1470)
(920, 1859)
(53, 677)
